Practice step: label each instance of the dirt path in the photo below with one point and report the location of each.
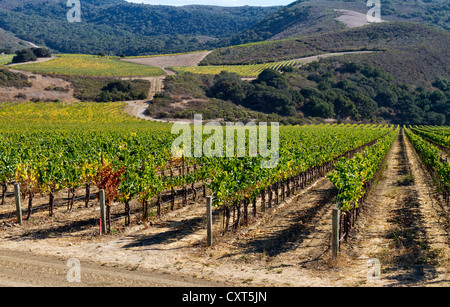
(297, 228)
(156, 84)
(187, 59)
(402, 226)
(23, 269)
(43, 88)
(39, 60)
(306, 60)
(137, 108)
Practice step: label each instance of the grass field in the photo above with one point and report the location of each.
(88, 65)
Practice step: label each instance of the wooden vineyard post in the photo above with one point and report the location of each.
(88, 195)
(335, 233)
(18, 203)
(102, 211)
(277, 193)
(209, 236)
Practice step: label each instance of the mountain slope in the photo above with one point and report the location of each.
(9, 41)
(412, 52)
(118, 27)
(305, 17)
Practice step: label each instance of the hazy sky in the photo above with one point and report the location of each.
(217, 2)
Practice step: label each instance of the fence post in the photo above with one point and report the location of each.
(335, 233)
(102, 211)
(18, 203)
(209, 236)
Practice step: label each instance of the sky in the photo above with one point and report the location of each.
(217, 2)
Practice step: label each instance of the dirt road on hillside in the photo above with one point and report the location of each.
(137, 108)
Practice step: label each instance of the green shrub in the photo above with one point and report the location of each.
(25, 55)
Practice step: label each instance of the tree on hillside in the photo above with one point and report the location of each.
(229, 86)
(25, 55)
(269, 100)
(272, 78)
(317, 107)
(41, 52)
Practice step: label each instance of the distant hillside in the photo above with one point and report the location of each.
(118, 27)
(317, 91)
(9, 41)
(305, 17)
(293, 20)
(412, 52)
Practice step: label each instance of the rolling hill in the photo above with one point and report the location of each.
(413, 53)
(118, 27)
(305, 17)
(9, 41)
(403, 76)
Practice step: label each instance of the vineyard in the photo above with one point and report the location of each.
(432, 145)
(252, 70)
(86, 65)
(133, 160)
(439, 136)
(62, 155)
(296, 151)
(98, 146)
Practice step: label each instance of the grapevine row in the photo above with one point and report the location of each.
(437, 135)
(238, 182)
(354, 178)
(431, 157)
